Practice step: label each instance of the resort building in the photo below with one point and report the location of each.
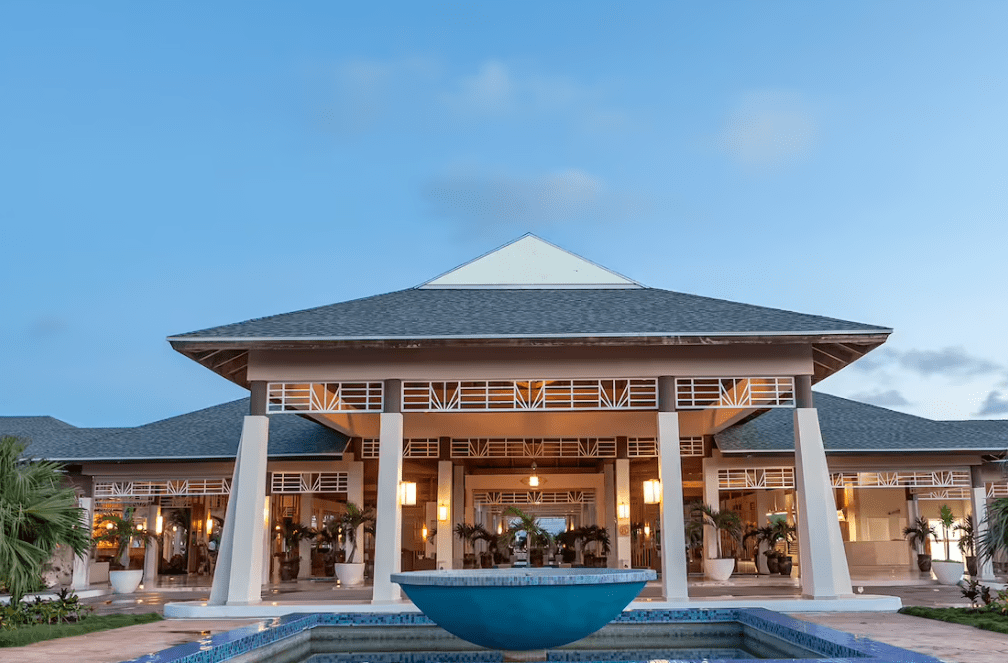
(532, 378)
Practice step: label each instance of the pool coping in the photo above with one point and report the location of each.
(838, 646)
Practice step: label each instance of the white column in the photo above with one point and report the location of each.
(622, 523)
(152, 552)
(240, 560)
(457, 514)
(355, 494)
(304, 548)
(712, 497)
(388, 527)
(673, 537)
(824, 572)
(82, 565)
(444, 532)
(269, 535)
(912, 515)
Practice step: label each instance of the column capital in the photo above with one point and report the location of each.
(257, 398)
(803, 391)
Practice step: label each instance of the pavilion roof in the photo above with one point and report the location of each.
(850, 426)
(208, 434)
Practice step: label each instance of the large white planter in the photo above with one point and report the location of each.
(125, 582)
(948, 573)
(719, 569)
(350, 575)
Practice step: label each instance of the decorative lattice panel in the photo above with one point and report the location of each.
(703, 393)
(902, 479)
(324, 397)
(308, 482)
(429, 448)
(739, 478)
(497, 395)
(534, 497)
(114, 489)
(534, 448)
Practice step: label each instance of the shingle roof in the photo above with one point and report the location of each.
(848, 425)
(210, 433)
(529, 313)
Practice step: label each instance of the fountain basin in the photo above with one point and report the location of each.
(523, 609)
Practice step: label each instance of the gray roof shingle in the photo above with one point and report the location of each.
(517, 313)
(849, 426)
(210, 433)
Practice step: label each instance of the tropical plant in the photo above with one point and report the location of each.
(352, 518)
(947, 523)
(918, 534)
(293, 534)
(120, 531)
(468, 533)
(722, 521)
(535, 535)
(37, 513)
(967, 536)
(595, 534)
(994, 536)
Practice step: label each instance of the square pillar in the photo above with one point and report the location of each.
(445, 535)
(673, 536)
(388, 525)
(978, 502)
(712, 497)
(824, 571)
(152, 551)
(81, 577)
(237, 578)
(622, 523)
(306, 509)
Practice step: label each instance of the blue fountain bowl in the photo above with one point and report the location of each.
(521, 609)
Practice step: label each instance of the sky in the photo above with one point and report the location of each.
(168, 167)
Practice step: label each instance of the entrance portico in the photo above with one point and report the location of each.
(530, 354)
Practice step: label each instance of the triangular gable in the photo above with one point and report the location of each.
(530, 262)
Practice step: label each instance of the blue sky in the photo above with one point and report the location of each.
(174, 167)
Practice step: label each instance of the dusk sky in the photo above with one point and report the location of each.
(168, 167)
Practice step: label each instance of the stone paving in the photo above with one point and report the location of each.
(950, 642)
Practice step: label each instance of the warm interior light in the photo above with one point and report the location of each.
(109, 525)
(266, 513)
(652, 491)
(209, 525)
(407, 493)
(840, 515)
(143, 527)
(174, 528)
(423, 532)
(534, 478)
(159, 524)
(500, 528)
(442, 512)
(647, 530)
(623, 510)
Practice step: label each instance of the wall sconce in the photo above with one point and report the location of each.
(534, 478)
(840, 515)
(442, 512)
(500, 528)
(407, 493)
(423, 533)
(652, 491)
(159, 525)
(647, 530)
(109, 525)
(209, 525)
(623, 510)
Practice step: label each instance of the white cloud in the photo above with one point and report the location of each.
(948, 362)
(491, 90)
(890, 398)
(555, 197)
(996, 404)
(769, 129)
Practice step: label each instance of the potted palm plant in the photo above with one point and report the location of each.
(782, 531)
(947, 571)
(919, 534)
(351, 572)
(492, 555)
(120, 531)
(293, 534)
(535, 536)
(967, 544)
(701, 515)
(468, 533)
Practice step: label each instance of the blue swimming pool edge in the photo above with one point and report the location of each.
(842, 647)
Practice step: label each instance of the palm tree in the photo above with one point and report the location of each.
(353, 518)
(37, 513)
(947, 522)
(529, 524)
(721, 521)
(918, 534)
(994, 538)
(120, 531)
